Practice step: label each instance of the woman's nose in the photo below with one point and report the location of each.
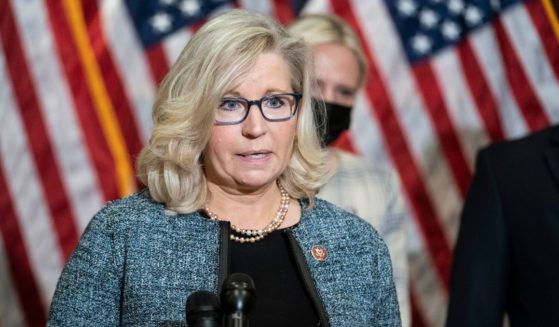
(255, 124)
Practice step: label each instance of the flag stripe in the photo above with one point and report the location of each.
(399, 150)
(112, 82)
(430, 296)
(11, 313)
(416, 124)
(174, 44)
(429, 86)
(417, 316)
(26, 97)
(89, 121)
(283, 11)
(27, 233)
(158, 64)
(367, 134)
(345, 142)
(55, 101)
(35, 220)
(486, 49)
(131, 62)
(525, 96)
(524, 37)
(124, 174)
(544, 21)
(462, 109)
(18, 261)
(480, 91)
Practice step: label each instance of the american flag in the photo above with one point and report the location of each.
(77, 81)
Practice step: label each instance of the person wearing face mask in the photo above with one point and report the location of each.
(356, 186)
(231, 171)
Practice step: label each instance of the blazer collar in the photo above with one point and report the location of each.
(552, 155)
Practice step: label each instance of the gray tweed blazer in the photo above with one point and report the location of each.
(135, 266)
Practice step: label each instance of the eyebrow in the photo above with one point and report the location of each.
(268, 92)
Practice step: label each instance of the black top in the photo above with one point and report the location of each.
(281, 297)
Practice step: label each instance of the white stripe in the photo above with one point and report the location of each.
(417, 128)
(528, 45)
(174, 44)
(429, 291)
(128, 53)
(29, 201)
(487, 50)
(367, 135)
(461, 108)
(316, 7)
(10, 311)
(62, 125)
(262, 6)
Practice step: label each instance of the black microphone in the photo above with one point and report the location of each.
(237, 299)
(202, 310)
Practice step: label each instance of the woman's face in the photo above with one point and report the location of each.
(337, 73)
(253, 153)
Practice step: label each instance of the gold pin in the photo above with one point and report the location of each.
(319, 252)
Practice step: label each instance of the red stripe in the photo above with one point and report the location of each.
(436, 107)
(29, 296)
(284, 11)
(417, 318)
(89, 121)
(157, 62)
(112, 80)
(345, 142)
(548, 38)
(527, 100)
(481, 92)
(38, 137)
(398, 148)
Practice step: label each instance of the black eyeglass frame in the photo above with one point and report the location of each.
(258, 103)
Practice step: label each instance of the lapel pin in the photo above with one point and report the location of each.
(319, 252)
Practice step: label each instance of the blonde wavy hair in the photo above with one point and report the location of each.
(324, 28)
(213, 63)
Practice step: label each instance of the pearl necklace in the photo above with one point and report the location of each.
(253, 235)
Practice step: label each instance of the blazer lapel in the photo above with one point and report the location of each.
(552, 156)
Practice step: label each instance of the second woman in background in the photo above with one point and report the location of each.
(373, 194)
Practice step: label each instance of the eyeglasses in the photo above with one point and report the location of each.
(274, 108)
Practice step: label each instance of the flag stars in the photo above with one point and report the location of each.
(473, 15)
(190, 7)
(450, 30)
(455, 6)
(166, 2)
(161, 22)
(495, 4)
(428, 18)
(421, 44)
(407, 7)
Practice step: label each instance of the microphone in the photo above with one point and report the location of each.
(237, 299)
(202, 310)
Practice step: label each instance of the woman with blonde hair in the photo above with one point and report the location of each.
(371, 193)
(231, 169)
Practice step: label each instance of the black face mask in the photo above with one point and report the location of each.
(337, 120)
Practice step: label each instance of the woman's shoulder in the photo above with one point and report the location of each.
(351, 166)
(331, 220)
(132, 205)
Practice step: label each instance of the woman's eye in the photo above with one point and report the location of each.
(346, 92)
(229, 104)
(274, 102)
